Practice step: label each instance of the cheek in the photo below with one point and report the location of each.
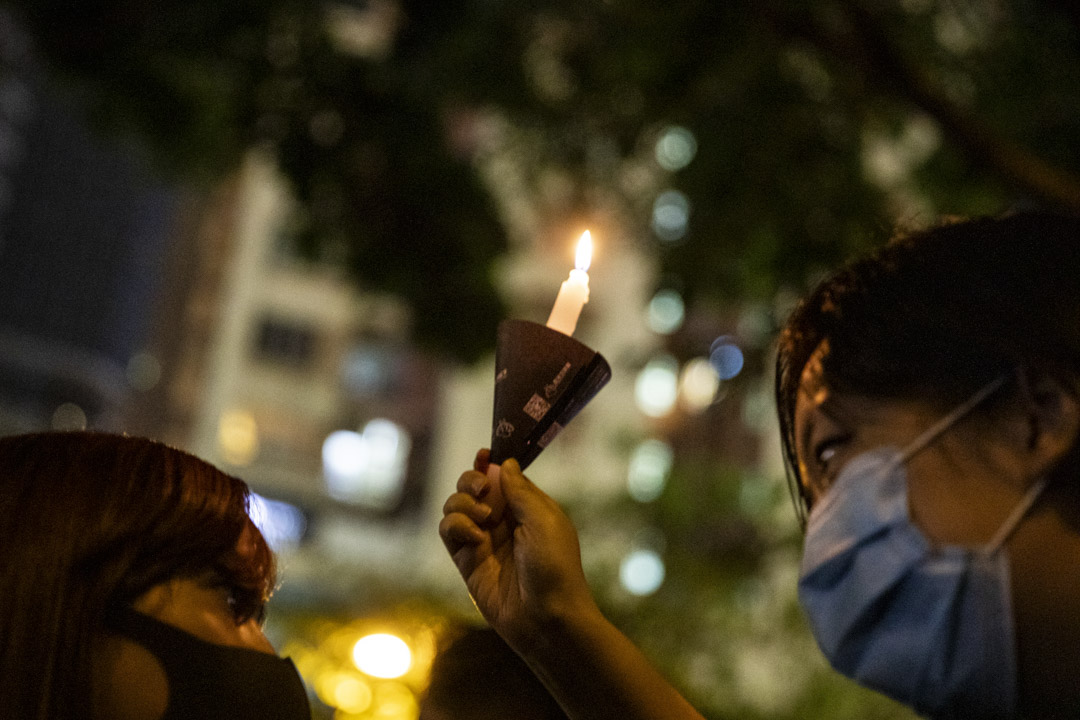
(128, 682)
(931, 503)
(250, 635)
(955, 504)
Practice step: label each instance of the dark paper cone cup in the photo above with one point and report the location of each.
(543, 378)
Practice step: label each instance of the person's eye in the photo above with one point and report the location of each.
(826, 452)
(245, 604)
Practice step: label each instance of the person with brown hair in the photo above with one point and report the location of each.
(929, 404)
(132, 586)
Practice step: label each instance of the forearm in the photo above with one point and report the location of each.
(525, 575)
(597, 673)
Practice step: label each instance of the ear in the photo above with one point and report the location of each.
(1053, 416)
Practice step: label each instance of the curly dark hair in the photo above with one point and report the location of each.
(936, 314)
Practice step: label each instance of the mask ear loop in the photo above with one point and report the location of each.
(1030, 497)
(1018, 513)
(931, 433)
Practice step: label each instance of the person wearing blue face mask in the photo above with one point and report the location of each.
(132, 587)
(928, 400)
(929, 406)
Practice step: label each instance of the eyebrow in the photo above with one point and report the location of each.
(832, 408)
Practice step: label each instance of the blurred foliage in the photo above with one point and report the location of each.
(357, 138)
(725, 624)
(971, 107)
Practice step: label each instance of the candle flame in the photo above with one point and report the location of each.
(584, 252)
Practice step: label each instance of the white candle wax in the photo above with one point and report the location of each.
(574, 292)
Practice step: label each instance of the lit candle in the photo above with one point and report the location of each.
(574, 293)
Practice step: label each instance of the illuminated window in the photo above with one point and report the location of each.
(368, 467)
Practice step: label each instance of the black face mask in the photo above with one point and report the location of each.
(216, 682)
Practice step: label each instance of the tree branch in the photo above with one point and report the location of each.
(854, 38)
(967, 131)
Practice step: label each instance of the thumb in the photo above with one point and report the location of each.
(518, 490)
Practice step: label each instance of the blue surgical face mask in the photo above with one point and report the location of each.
(930, 626)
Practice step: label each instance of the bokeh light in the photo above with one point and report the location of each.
(656, 387)
(698, 384)
(675, 148)
(647, 474)
(382, 655)
(238, 437)
(345, 691)
(642, 572)
(281, 523)
(671, 216)
(68, 416)
(726, 357)
(666, 312)
(368, 667)
(367, 467)
(388, 445)
(345, 457)
(352, 695)
(395, 701)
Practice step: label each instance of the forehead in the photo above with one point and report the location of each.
(822, 411)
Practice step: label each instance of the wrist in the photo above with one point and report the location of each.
(561, 625)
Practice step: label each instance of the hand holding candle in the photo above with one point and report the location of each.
(574, 293)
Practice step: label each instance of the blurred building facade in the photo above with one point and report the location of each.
(85, 231)
(129, 305)
(310, 390)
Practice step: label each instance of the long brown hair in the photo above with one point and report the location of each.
(92, 520)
